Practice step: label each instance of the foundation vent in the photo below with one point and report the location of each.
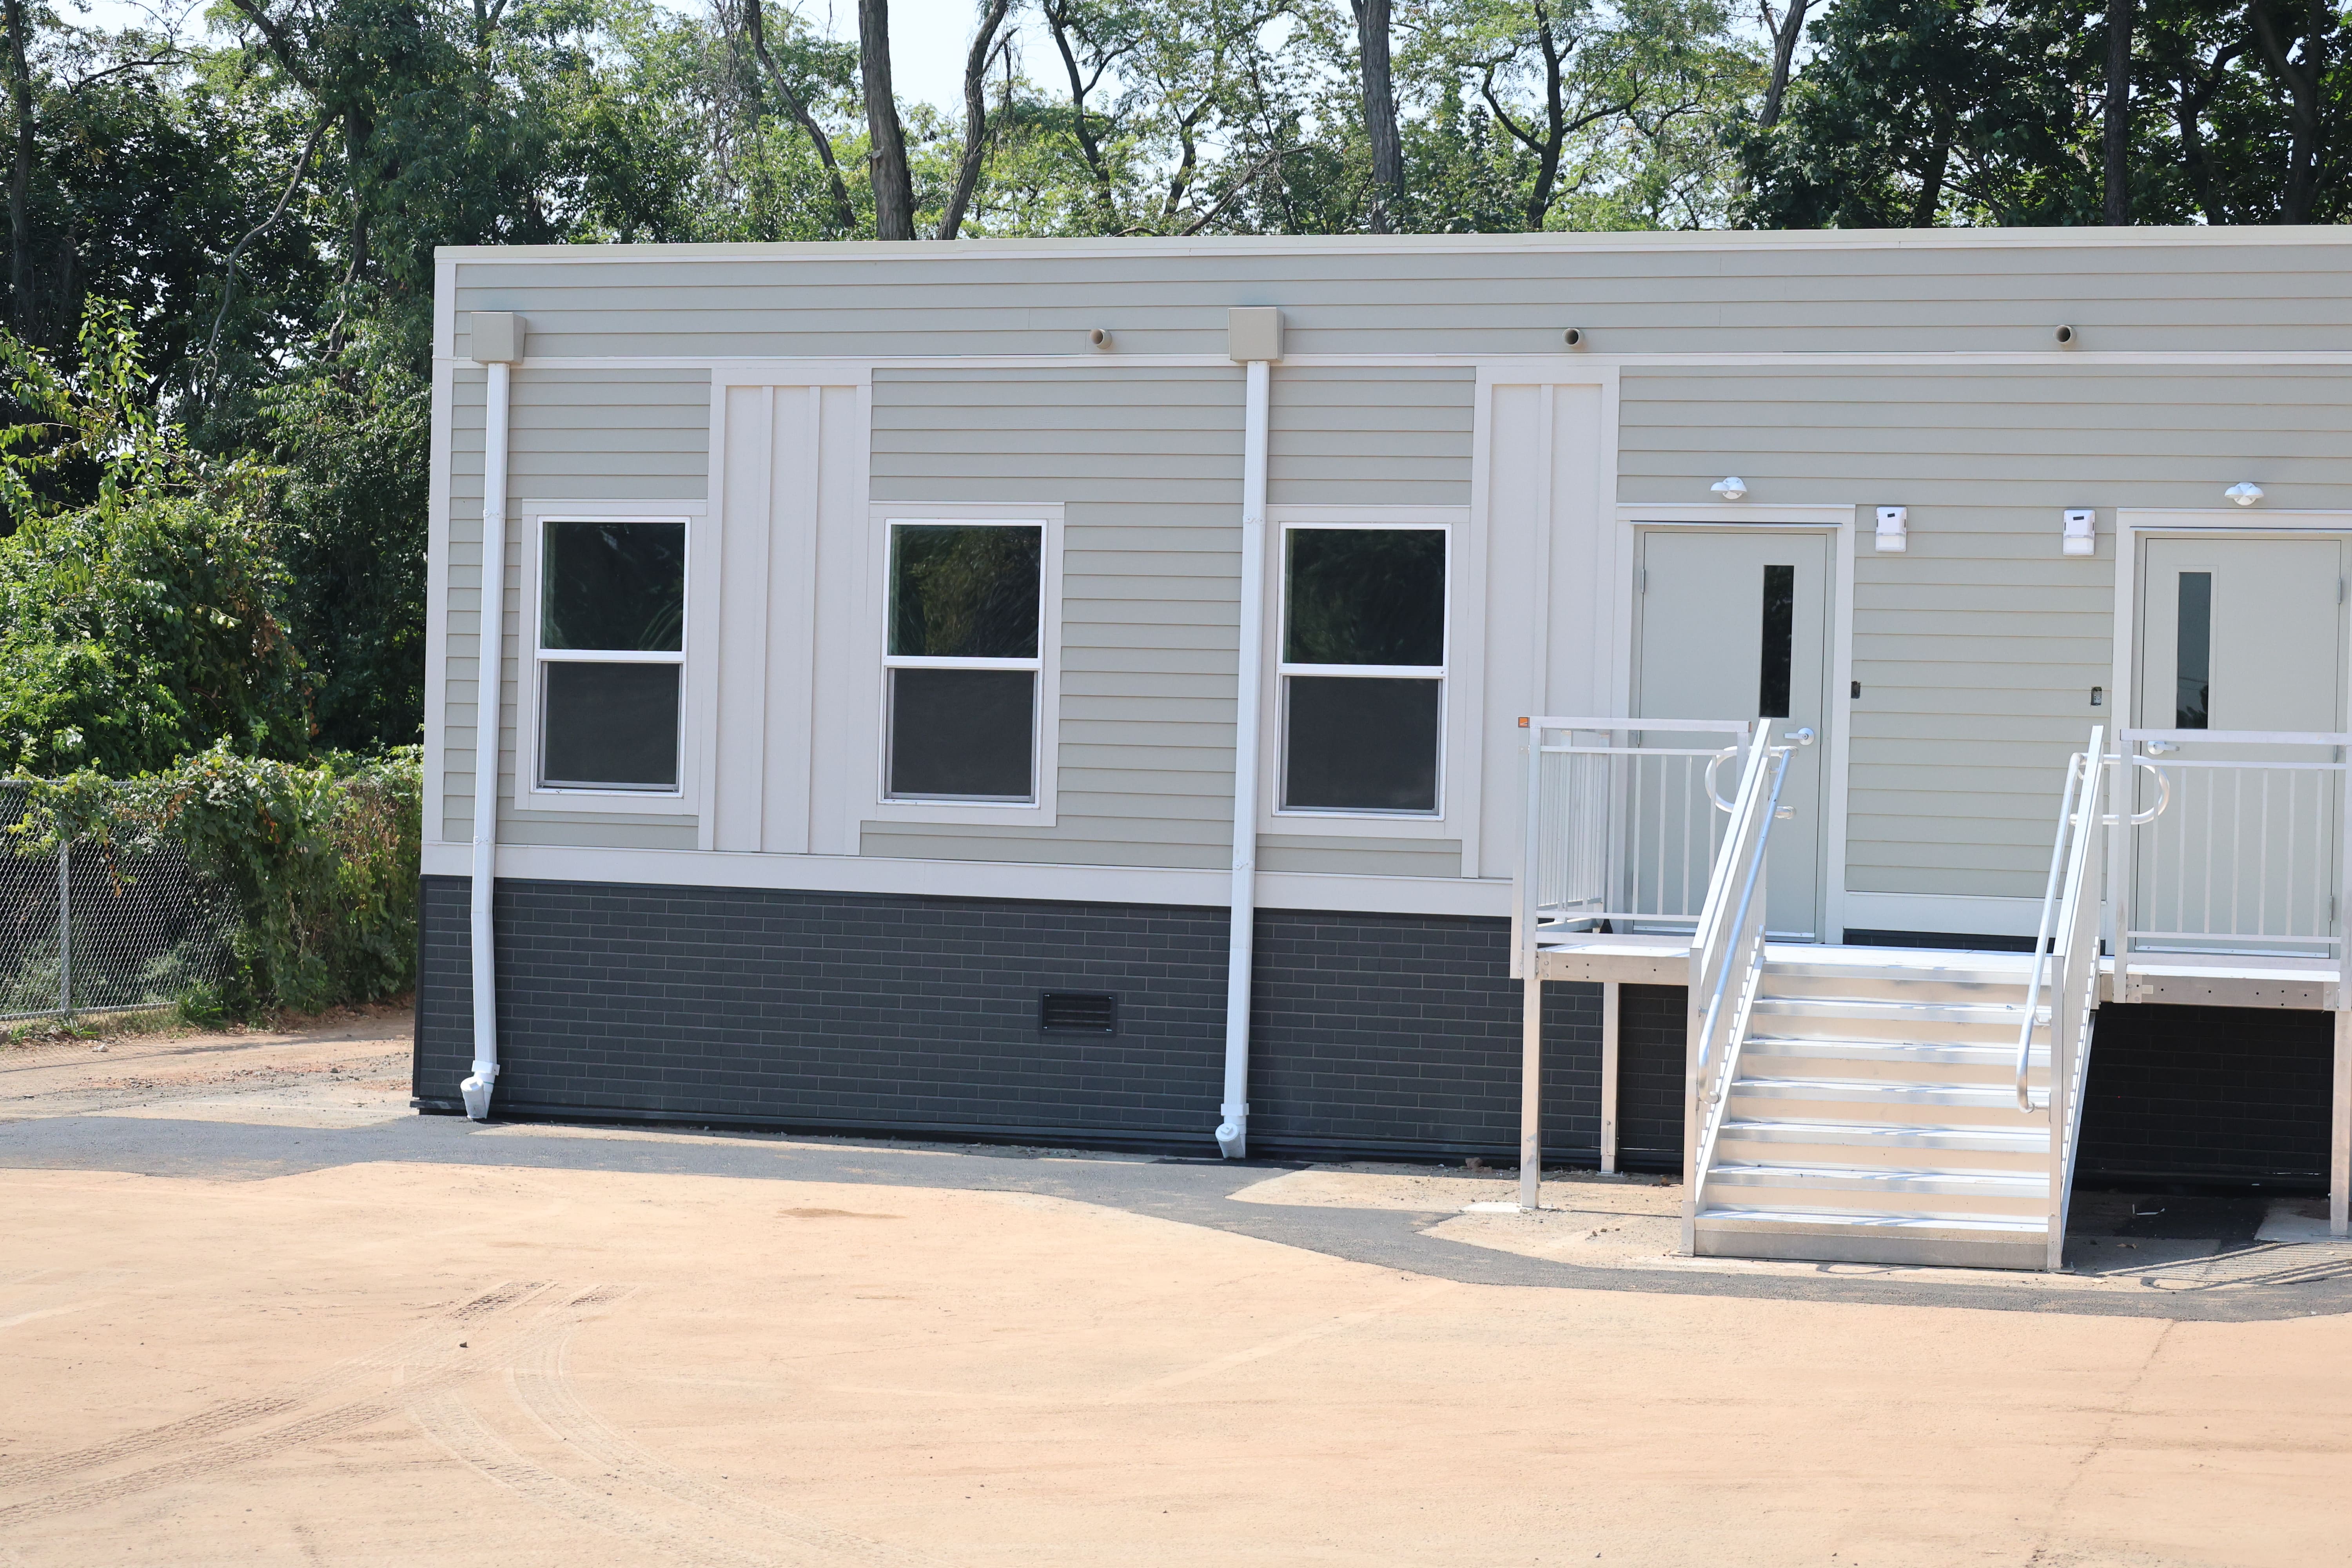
(1078, 1012)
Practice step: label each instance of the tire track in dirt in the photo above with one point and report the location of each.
(430, 1342)
(542, 1384)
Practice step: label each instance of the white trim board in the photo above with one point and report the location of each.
(1459, 742)
(1551, 243)
(1486, 897)
(1589, 365)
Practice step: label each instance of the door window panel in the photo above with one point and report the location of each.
(2193, 652)
(1780, 642)
(1363, 669)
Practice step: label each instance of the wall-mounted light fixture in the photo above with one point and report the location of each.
(2081, 534)
(1098, 336)
(2245, 492)
(1730, 489)
(1893, 525)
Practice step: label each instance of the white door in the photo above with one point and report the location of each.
(1734, 624)
(2243, 634)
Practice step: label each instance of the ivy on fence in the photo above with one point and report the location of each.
(321, 859)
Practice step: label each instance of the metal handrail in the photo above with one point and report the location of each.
(1736, 947)
(2076, 997)
(1778, 762)
(2068, 812)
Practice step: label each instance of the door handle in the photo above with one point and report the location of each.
(1803, 736)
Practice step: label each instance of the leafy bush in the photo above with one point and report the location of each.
(138, 618)
(321, 860)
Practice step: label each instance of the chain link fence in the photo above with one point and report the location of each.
(91, 930)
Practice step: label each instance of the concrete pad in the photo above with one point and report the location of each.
(2296, 1219)
(1419, 1189)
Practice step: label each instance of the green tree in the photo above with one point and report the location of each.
(139, 625)
(1916, 112)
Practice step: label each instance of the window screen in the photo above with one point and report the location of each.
(1363, 669)
(612, 642)
(962, 654)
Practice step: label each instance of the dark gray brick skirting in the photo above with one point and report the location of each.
(1373, 1034)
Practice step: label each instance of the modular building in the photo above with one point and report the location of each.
(921, 667)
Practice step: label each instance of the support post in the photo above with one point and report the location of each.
(64, 929)
(1531, 1090)
(1609, 1024)
(2339, 1132)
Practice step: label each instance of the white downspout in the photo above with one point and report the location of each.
(497, 342)
(1254, 337)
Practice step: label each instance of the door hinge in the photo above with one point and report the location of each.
(1644, 586)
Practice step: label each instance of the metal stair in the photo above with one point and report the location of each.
(1872, 1115)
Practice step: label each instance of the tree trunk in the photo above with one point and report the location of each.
(2115, 128)
(1931, 178)
(975, 116)
(893, 189)
(1058, 23)
(1380, 113)
(20, 176)
(1785, 29)
(755, 28)
(2306, 138)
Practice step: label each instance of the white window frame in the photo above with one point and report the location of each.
(1045, 739)
(695, 674)
(1289, 519)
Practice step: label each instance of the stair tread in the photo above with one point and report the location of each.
(2030, 1181)
(1895, 1049)
(1887, 1006)
(1970, 973)
(1901, 1089)
(2027, 1137)
(1830, 1219)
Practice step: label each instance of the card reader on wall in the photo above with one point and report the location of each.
(1891, 520)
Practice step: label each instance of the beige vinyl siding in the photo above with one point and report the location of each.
(1457, 294)
(572, 434)
(1147, 465)
(1345, 436)
(1977, 647)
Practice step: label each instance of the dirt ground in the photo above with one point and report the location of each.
(394, 1361)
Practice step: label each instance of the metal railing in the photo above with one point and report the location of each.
(2067, 941)
(88, 929)
(2241, 855)
(1727, 958)
(1620, 835)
